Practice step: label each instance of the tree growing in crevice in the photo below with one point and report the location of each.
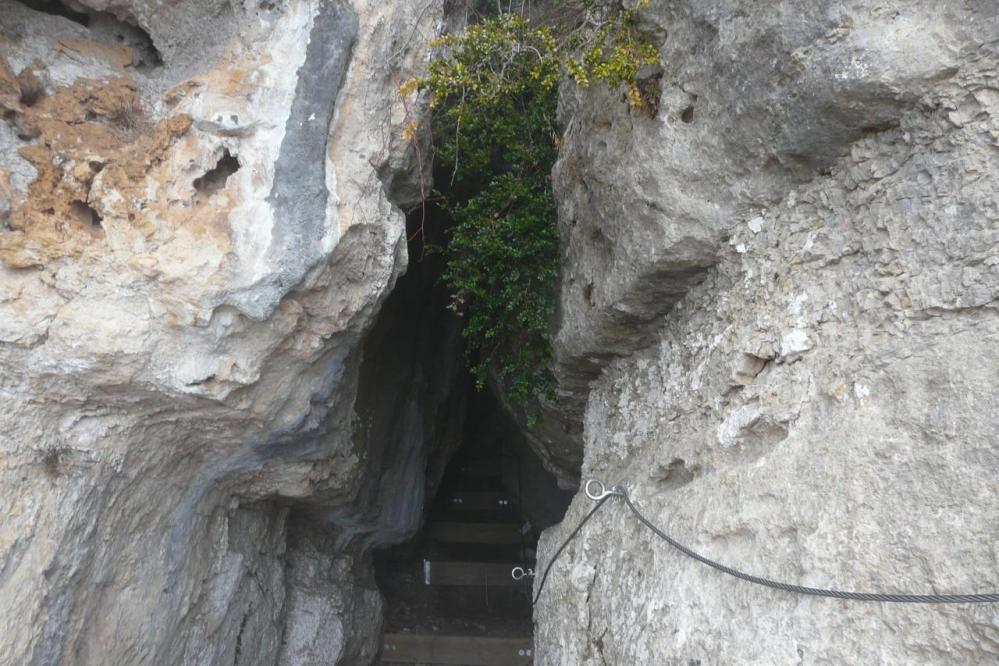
(494, 95)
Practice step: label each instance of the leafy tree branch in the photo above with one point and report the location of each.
(494, 95)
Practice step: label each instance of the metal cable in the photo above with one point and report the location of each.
(992, 597)
(818, 592)
(565, 543)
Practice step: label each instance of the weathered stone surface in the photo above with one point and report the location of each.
(199, 224)
(778, 327)
(782, 291)
(755, 101)
(334, 611)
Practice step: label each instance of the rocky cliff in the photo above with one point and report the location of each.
(221, 387)
(780, 295)
(200, 221)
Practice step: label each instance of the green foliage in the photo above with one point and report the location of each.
(494, 91)
(612, 52)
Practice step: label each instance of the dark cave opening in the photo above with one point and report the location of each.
(416, 560)
(113, 27)
(216, 178)
(454, 578)
(57, 8)
(486, 499)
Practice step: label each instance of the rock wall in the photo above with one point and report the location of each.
(780, 296)
(199, 221)
(778, 327)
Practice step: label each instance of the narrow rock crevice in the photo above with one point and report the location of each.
(216, 178)
(438, 457)
(117, 27)
(455, 576)
(57, 8)
(242, 432)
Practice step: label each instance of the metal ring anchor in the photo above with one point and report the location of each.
(519, 573)
(602, 491)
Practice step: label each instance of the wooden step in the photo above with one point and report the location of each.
(496, 533)
(437, 572)
(458, 650)
(488, 468)
(463, 484)
(479, 500)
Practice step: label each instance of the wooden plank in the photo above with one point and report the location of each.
(457, 650)
(489, 468)
(479, 500)
(437, 572)
(476, 483)
(497, 533)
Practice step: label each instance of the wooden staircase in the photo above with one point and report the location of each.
(471, 544)
(457, 650)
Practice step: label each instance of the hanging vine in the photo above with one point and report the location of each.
(494, 95)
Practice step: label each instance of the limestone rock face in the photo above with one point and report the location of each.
(779, 307)
(199, 220)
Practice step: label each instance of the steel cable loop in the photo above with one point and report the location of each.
(565, 543)
(992, 597)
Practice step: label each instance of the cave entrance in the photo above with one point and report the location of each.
(449, 596)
